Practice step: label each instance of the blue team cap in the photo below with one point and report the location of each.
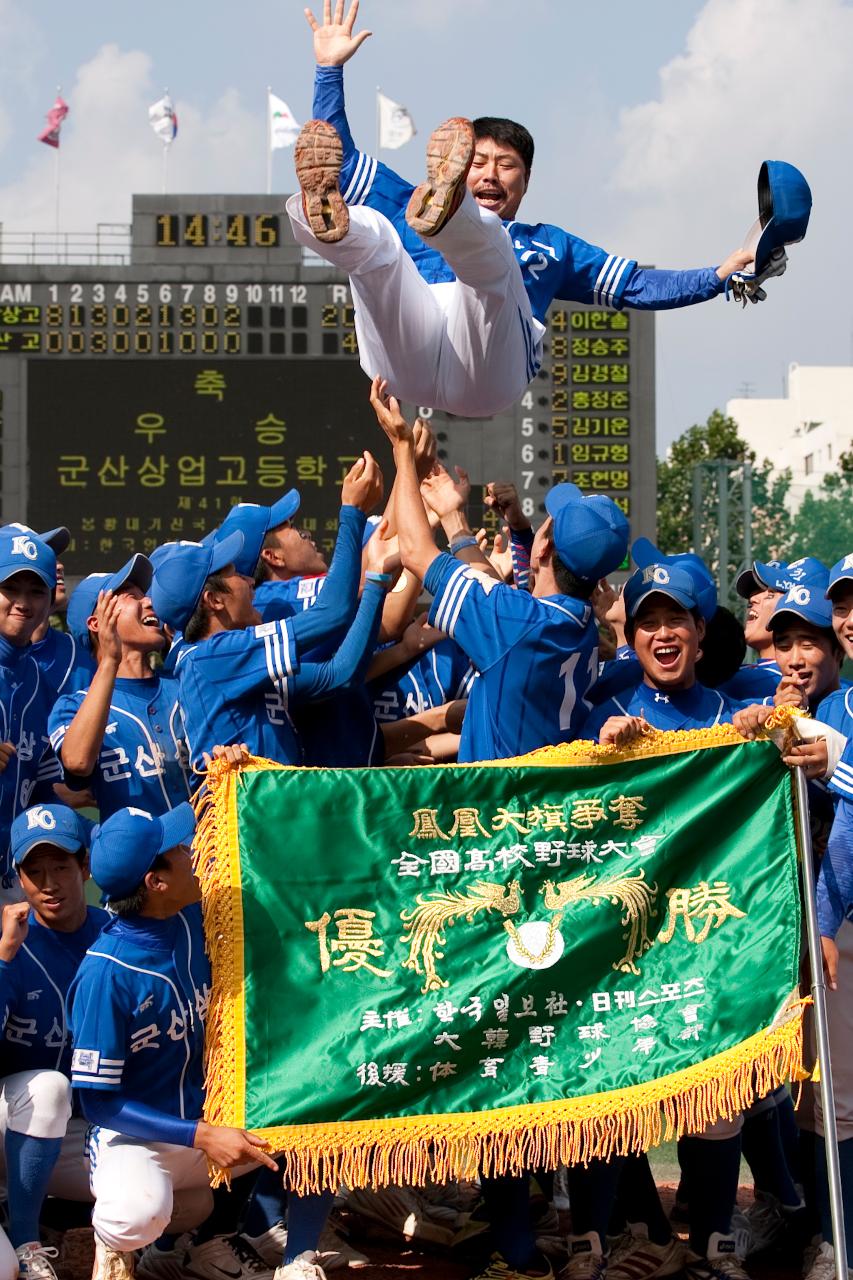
(57, 539)
(126, 845)
(645, 553)
(590, 532)
(664, 580)
(84, 598)
(776, 575)
(181, 572)
(26, 553)
(841, 571)
(371, 524)
(784, 205)
(807, 602)
(53, 824)
(254, 522)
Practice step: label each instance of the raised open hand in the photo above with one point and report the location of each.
(334, 42)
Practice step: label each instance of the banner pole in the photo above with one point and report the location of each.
(827, 1092)
(269, 142)
(378, 121)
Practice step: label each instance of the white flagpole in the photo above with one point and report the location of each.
(269, 142)
(56, 178)
(378, 121)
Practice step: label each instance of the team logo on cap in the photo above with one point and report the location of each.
(847, 563)
(656, 573)
(23, 546)
(140, 813)
(799, 595)
(40, 817)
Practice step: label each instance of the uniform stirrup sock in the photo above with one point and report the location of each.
(306, 1218)
(29, 1165)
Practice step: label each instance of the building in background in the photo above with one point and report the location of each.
(805, 431)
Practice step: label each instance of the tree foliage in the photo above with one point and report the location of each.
(823, 526)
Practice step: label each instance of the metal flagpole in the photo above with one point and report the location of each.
(165, 153)
(827, 1092)
(378, 121)
(269, 142)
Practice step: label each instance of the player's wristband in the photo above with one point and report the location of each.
(462, 542)
(382, 578)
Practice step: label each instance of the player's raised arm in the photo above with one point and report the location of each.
(417, 545)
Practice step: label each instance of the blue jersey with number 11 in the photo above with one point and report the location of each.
(535, 659)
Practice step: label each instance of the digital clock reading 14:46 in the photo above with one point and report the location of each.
(230, 230)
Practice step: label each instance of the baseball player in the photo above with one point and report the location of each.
(535, 655)
(137, 1007)
(836, 708)
(665, 626)
(450, 290)
(28, 767)
(124, 737)
(762, 586)
(239, 676)
(42, 942)
(64, 665)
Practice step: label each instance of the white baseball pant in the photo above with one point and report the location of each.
(469, 346)
(38, 1104)
(142, 1189)
(839, 1013)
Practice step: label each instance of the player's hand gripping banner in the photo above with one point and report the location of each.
(420, 970)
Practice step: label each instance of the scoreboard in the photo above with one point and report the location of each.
(140, 400)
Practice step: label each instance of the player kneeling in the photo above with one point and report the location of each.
(42, 942)
(138, 1007)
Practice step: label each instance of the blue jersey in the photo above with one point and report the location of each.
(836, 709)
(275, 599)
(240, 686)
(754, 682)
(143, 759)
(535, 659)
(138, 1006)
(64, 664)
(835, 881)
(554, 263)
(25, 702)
(438, 676)
(33, 988)
(693, 708)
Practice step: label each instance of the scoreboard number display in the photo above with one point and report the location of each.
(140, 400)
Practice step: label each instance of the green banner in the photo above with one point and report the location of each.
(419, 969)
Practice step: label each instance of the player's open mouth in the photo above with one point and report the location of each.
(751, 615)
(489, 197)
(151, 621)
(667, 655)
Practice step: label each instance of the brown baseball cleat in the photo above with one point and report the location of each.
(318, 156)
(450, 151)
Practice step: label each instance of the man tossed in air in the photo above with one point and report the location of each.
(451, 291)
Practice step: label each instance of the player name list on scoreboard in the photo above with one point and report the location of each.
(139, 401)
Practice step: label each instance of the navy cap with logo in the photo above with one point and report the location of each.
(804, 602)
(645, 553)
(784, 205)
(777, 575)
(26, 553)
(254, 522)
(126, 846)
(57, 539)
(83, 600)
(181, 571)
(661, 579)
(590, 532)
(53, 824)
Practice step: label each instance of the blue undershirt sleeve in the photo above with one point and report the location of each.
(336, 605)
(136, 1119)
(329, 105)
(835, 881)
(350, 663)
(653, 290)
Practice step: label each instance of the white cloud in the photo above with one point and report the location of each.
(109, 151)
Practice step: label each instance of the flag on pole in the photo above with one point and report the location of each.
(396, 126)
(57, 113)
(164, 122)
(283, 127)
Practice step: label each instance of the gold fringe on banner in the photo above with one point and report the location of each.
(413, 1150)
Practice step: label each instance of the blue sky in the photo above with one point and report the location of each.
(650, 122)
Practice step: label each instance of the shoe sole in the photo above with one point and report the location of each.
(318, 157)
(449, 154)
